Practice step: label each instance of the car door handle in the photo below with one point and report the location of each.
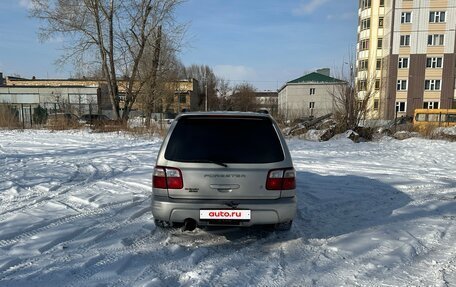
(224, 190)
(225, 187)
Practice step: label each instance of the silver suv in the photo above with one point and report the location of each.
(224, 168)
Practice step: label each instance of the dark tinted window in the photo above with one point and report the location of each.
(224, 139)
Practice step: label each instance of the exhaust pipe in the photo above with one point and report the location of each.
(189, 224)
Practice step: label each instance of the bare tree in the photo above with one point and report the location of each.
(352, 100)
(207, 85)
(161, 70)
(243, 98)
(223, 94)
(112, 33)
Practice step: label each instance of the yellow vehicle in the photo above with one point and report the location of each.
(425, 118)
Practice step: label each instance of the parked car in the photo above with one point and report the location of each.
(224, 168)
(62, 121)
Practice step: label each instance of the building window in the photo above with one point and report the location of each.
(312, 91)
(403, 63)
(376, 104)
(431, 105)
(405, 40)
(382, 3)
(182, 99)
(437, 17)
(364, 45)
(380, 43)
(365, 24)
(380, 22)
(432, 85)
(406, 17)
(402, 85)
(434, 62)
(379, 64)
(436, 40)
(311, 105)
(377, 84)
(365, 4)
(400, 107)
(363, 65)
(362, 85)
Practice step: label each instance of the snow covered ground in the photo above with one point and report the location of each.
(75, 211)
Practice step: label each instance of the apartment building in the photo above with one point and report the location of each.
(309, 95)
(406, 55)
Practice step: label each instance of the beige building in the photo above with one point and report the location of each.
(185, 97)
(267, 101)
(309, 95)
(406, 55)
(82, 96)
(70, 96)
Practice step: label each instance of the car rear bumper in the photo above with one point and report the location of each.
(268, 211)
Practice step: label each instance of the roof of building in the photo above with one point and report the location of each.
(315, 78)
(46, 87)
(267, 94)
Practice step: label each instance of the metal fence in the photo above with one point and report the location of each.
(36, 115)
(57, 116)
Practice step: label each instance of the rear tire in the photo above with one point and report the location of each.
(283, 226)
(161, 223)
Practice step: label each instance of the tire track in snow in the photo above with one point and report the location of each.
(421, 271)
(57, 222)
(219, 255)
(113, 255)
(84, 174)
(19, 265)
(87, 175)
(57, 192)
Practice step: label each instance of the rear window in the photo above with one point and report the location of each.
(225, 139)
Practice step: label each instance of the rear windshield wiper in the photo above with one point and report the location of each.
(207, 161)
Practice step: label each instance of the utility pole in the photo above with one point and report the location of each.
(205, 102)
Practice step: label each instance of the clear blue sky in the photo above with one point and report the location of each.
(264, 42)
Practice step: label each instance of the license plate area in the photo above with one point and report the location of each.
(225, 214)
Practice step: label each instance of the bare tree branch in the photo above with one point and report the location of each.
(111, 33)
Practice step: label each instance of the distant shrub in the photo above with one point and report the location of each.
(62, 121)
(9, 116)
(40, 115)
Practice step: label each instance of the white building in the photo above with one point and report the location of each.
(309, 95)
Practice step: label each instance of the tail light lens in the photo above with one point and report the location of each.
(167, 178)
(281, 179)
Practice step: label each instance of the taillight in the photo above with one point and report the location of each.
(159, 179)
(281, 179)
(167, 178)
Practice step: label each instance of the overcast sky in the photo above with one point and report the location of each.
(263, 42)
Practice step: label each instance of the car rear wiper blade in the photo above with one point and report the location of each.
(217, 162)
